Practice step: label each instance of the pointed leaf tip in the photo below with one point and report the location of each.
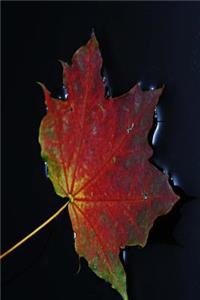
(93, 40)
(41, 84)
(65, 69)
(47, 94)
(64, 64)
(92, 31)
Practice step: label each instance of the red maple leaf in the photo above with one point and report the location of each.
(98, 157)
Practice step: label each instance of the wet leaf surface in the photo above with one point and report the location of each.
(97, 152)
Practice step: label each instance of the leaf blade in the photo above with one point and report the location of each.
(98, 156)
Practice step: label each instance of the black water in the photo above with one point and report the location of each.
(151, 43)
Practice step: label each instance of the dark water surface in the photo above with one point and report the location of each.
(151, 43)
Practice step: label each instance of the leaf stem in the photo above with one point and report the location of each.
(26, 238)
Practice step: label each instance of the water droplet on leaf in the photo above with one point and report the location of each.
(46, 169)
(130, 128)
(108, 91)
(155, 135)
(60, 93)
(145, 195)
(124, 256)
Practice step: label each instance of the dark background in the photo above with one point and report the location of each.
(154, 43)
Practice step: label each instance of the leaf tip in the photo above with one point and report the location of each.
(93, 39)
(44, 89)
(163, 87)
(65, 70)
(92, 31)
(38, 82)
(46, 92)
(63, 63)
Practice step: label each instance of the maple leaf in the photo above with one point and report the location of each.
(98, 157)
